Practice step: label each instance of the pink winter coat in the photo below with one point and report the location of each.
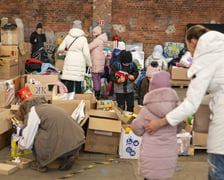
(97, 54)
(158, 152)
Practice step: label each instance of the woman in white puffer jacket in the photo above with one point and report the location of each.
(77, 58)
(206, 71)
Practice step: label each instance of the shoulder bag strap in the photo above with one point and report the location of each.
(73, 42)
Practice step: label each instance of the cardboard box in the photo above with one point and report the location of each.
(129, 145)
(7, 169)
(199, 139)
(59, 64)
(179, 73)
(5, 123)
(70, 105)
(89, 97)
(9, 68)
(13, 36)
(103, 114)
(103, 136)
(5, 138)
(126, 117)
(9, 36)
(41, 87)
(22, 52)
(201, 119)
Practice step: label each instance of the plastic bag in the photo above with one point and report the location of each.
(79, 113)
(88, 83)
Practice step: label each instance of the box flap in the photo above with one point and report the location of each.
(89, 97)
(70, 105)
(43, 79)
(103, 114)
(104, 124)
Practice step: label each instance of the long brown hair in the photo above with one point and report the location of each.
(195, 32)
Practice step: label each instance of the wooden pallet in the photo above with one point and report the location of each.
(192, 149)
(180, 83)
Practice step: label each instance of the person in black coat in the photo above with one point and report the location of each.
(37, 40)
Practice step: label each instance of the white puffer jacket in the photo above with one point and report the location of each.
(156, 57)
(207, 73)
(77, 57)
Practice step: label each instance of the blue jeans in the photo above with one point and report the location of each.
(70, 153)
(215, 167)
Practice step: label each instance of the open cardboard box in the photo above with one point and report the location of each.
(42, 88)
(124, 116)
(70, 105)
(103, 114)
(103, 136)
(89, 97)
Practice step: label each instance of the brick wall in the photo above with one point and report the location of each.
(56, 15)
(157, 21)
(149, 21)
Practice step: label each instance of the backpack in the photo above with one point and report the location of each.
(120, 65)
(115, 55)
(33, 65)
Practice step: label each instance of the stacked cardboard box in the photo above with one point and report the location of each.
(12, 33)
(5, 127)
(103, 135)
(19, 52)
(38, 84)
(179, 76)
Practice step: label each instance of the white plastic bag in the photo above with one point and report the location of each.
(129, 145)
(88, 83)
(79, 113)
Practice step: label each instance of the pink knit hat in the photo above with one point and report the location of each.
(160, 79)
(150, 71)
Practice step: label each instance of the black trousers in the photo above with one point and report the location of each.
(125, 98)
(70, 86)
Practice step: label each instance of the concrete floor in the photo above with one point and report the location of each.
(190, 168)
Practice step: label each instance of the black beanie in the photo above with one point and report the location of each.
(126, 57)
(39, 25)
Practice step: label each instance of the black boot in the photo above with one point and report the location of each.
(97, 94)
(66, 163)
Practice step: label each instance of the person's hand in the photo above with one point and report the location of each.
(122, 79)
(154, 124)
(131, 77)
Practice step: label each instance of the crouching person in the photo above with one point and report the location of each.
(50, 132)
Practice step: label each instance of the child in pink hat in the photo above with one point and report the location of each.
(158, 153)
